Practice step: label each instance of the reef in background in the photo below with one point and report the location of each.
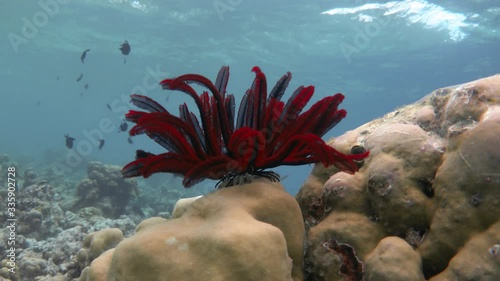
(55, 213)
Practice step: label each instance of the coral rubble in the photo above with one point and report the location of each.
(48, 235)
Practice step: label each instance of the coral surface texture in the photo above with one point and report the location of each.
(249, 232)
(424, 206)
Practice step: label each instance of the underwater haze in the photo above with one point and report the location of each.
(68, 69)
(380, 55)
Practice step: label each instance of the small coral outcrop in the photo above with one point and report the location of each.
(425, 205)
(38, 215)
(95, 244)
(106, 190)
(484, 265)
(249, 232)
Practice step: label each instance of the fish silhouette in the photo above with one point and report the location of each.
(86, 86)
(123, 127)
(69, 141)
(79, 77)
(129, 139)
(101, 144)
(84, 54)
(125, 49)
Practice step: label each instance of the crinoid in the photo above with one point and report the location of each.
(266, 133)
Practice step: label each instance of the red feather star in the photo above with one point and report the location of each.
(266, 133)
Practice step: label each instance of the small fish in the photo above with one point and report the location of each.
(123, 127)
(38, 103)
(109, 107)
(69, 141)
(86, 86)
(84, 54)
(101, 144)
(79, 77)
(129, 139)
(57, 78)
(125, 49)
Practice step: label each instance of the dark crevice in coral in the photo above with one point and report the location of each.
(475, 199)
(426, 186)
(315, 213)
(415, 236)
(352, 268)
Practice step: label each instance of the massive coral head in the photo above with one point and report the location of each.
(221, 145)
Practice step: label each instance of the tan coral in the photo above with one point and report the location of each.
(31, 267)
(353, 229)
(467, 189)
(182, 205)
(479, 259)
(100, 241)
(149, 222)
(98, 271)
(249, 232)
(96, 243)
(393, 259)
(9, 270)
(431, 179)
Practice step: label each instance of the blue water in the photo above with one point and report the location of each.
(381, 55)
